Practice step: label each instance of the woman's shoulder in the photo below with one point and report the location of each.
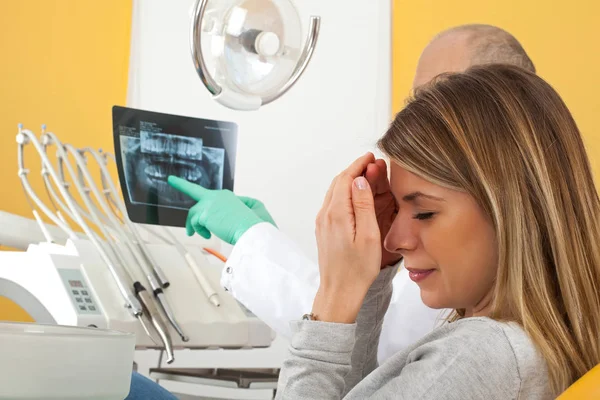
(501, 349)
(490, 336)
(532, 367)
(488, 331)
(477, 337)
(472, 358)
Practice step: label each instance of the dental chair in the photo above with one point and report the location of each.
(585, 388)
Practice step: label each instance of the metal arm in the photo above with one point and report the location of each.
(196, 47)
(132, 303)
(22, 141)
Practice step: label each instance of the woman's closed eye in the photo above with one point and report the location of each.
(424, 215)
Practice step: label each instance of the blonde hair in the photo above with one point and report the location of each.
(504, 135)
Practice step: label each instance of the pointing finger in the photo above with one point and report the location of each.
(196, 192)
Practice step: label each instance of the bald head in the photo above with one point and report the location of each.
(456, 49)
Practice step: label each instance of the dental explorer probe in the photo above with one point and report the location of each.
(142, 257)
(209, 291)
(26, 136)
(146, 302)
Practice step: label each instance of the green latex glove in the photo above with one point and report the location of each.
(259, 209)
(219, 211)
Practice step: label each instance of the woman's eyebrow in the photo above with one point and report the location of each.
(415, 195)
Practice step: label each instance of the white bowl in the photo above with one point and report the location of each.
(64, 362)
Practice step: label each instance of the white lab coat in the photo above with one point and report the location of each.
(269, 275)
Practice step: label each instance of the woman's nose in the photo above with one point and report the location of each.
(400, 239)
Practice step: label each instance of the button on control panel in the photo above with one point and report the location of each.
(80, 294)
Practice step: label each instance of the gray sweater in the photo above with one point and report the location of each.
(473, 358)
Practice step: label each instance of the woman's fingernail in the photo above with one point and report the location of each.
(361, 183)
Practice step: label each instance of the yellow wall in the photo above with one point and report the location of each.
(64, 64)
(10, 311)
(561, 37)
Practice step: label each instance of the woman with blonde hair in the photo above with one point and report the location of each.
(496, 216)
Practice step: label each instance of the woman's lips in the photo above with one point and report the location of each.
(418, 275)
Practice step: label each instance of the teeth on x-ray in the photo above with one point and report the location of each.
(183, 170)
(171, 145)
(151, 158)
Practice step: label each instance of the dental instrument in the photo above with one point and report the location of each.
(144, 256)
(139, 290)
(25, 137)
(209, 291)
(76, 213)
(153, 314)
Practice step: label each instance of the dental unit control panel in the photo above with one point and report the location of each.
(80, 292)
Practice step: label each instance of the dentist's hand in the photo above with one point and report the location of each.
(349, 243)
(259, 209)
(219, 211)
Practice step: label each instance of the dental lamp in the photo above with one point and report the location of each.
(248, 53)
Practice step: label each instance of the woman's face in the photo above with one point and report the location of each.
(447, 242)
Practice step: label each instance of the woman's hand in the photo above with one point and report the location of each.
(386, 206)
(349, 245)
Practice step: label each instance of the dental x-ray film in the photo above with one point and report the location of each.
(151, 146)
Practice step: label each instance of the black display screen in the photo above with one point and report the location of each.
(150, 146)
